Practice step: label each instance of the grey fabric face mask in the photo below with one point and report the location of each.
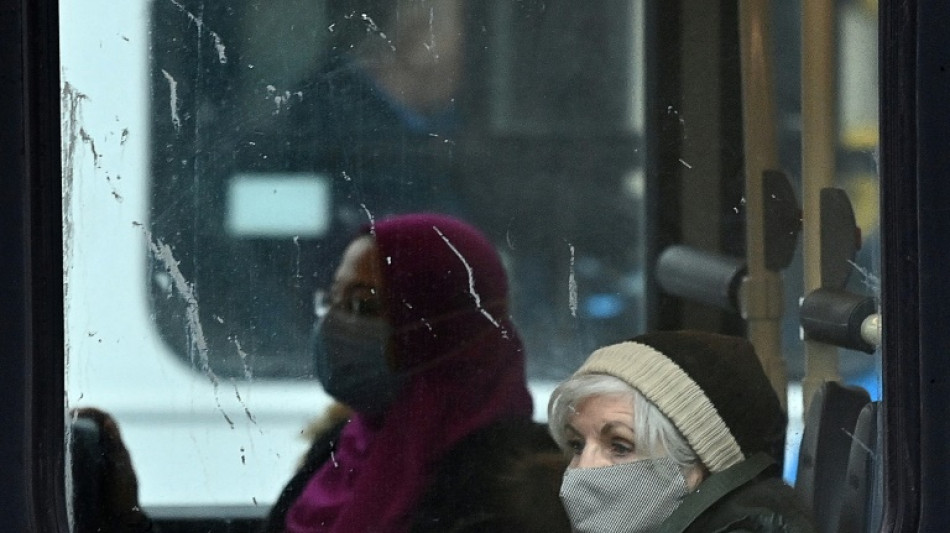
(630, 498)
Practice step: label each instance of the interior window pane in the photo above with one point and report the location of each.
(220, 155)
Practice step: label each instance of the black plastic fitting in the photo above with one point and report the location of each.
(834, 317)
(701, 276)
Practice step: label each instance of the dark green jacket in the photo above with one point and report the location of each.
(747, 497)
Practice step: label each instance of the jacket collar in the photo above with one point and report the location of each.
(713, 489)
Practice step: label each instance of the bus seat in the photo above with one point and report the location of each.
(863, 504)
(825, 449)
(88, 465)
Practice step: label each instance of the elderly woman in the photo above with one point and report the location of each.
(433, 429)
(674, 431)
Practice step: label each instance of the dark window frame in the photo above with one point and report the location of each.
(915, 122)
(31, 271)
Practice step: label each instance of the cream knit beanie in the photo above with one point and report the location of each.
(712, 387)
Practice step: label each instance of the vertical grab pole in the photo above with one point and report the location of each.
(761, 290)
(818, 166)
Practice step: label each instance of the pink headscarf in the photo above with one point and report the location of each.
(445, 291)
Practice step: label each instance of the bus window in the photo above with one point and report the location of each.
(330, 132)
(244, 144)
(219, 156)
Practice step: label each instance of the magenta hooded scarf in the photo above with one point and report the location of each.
(445, 291)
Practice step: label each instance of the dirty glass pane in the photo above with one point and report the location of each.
(855, 136)
(219, 156)
(271, 148)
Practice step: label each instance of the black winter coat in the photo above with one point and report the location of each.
(503, 478)
(747, 497)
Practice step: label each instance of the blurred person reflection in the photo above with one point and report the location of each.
(674, 431)
(371, 125)
(379, 115)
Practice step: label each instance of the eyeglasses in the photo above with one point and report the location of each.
(359, 300)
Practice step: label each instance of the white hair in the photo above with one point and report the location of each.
(655, 434)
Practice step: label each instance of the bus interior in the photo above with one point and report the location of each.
(755, 168)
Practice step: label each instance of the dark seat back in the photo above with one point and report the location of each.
(88, 461)
(863, 505)
(826, 447)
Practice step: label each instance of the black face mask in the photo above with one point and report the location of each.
(350, 361)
